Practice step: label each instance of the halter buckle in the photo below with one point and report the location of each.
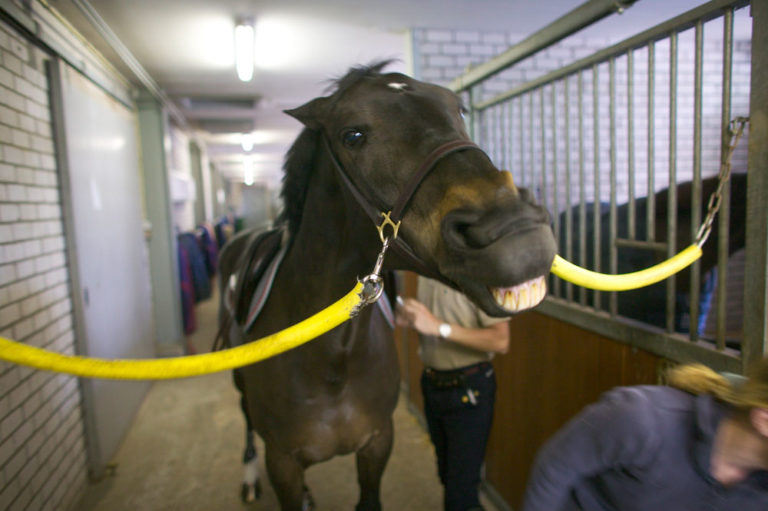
(388, 221)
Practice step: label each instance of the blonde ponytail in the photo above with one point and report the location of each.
(700, 379)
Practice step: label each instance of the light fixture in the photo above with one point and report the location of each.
(249, 170)
(244, 48)
(246, 141)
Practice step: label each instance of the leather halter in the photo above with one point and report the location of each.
(394, 215)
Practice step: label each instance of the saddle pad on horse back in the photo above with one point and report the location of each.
(256, 268)
(251, 267)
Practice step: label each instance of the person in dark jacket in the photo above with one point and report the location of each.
(700, 443)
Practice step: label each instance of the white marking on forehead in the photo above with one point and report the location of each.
(398, 85)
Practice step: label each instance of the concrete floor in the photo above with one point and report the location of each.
(185, 446)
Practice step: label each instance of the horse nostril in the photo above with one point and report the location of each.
(462, 232)
(478, 229)
(456, 227)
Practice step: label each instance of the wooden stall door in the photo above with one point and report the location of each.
(552, 370)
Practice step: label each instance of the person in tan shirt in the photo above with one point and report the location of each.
(456, 344)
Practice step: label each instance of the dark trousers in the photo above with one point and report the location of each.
(459, 429)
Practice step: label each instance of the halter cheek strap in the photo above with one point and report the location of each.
(393, 217)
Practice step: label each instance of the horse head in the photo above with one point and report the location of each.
(464, 219)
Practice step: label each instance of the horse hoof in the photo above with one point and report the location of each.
(250, 492)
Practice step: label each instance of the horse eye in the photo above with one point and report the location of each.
(352, 138)
(463, 112)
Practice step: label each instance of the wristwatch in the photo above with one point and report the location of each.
(445, 330)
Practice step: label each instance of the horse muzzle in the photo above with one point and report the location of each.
(501, 255)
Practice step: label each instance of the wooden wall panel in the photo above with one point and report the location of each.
(414, 376)
(551, 372)
(411, 369)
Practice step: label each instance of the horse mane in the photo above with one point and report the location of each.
(299, 161)
(300, 158)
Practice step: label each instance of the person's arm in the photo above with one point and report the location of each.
(619, 431)
(494, 338)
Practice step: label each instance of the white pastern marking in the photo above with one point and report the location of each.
(251, 471)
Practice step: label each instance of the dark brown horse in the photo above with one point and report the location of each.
(378, 143)
(648, 304)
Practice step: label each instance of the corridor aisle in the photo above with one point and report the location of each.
(185, 447)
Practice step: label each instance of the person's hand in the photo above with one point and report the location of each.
(400, 318)
(414, 314)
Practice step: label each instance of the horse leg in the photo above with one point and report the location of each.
(371, 461)
(250, 490)
(251, 487)
(287, 477)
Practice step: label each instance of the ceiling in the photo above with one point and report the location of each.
(186, 46)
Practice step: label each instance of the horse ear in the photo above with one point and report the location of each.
(310, 114)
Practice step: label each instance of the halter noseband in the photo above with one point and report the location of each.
(394, 215)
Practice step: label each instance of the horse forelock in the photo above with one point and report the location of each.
(355, 74)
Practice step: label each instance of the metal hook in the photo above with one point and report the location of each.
(373, 284)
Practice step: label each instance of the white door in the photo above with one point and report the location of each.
(98, 156)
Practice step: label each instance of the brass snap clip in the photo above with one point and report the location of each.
(387, 221)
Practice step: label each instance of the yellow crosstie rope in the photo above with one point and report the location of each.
(193, 365)
(602, 282)
(296, 335)
(196, 365)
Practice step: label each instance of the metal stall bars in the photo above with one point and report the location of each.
(612, 141)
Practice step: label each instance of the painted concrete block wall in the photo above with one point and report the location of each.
(42, 451)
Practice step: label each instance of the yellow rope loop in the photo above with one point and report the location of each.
(193, 365)
(602, 282)
(296, 335)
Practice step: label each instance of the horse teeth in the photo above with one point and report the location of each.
(523, 296)
(511, 300)
(535, 292)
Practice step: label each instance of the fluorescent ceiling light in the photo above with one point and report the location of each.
(247, 140)
(249, 171)
(244, 49)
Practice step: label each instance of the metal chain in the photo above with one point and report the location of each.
(736, 130)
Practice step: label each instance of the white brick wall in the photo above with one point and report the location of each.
(42, 451)
(442, 55)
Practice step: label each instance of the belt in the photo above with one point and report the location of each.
(454, 377)
(466, 371)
